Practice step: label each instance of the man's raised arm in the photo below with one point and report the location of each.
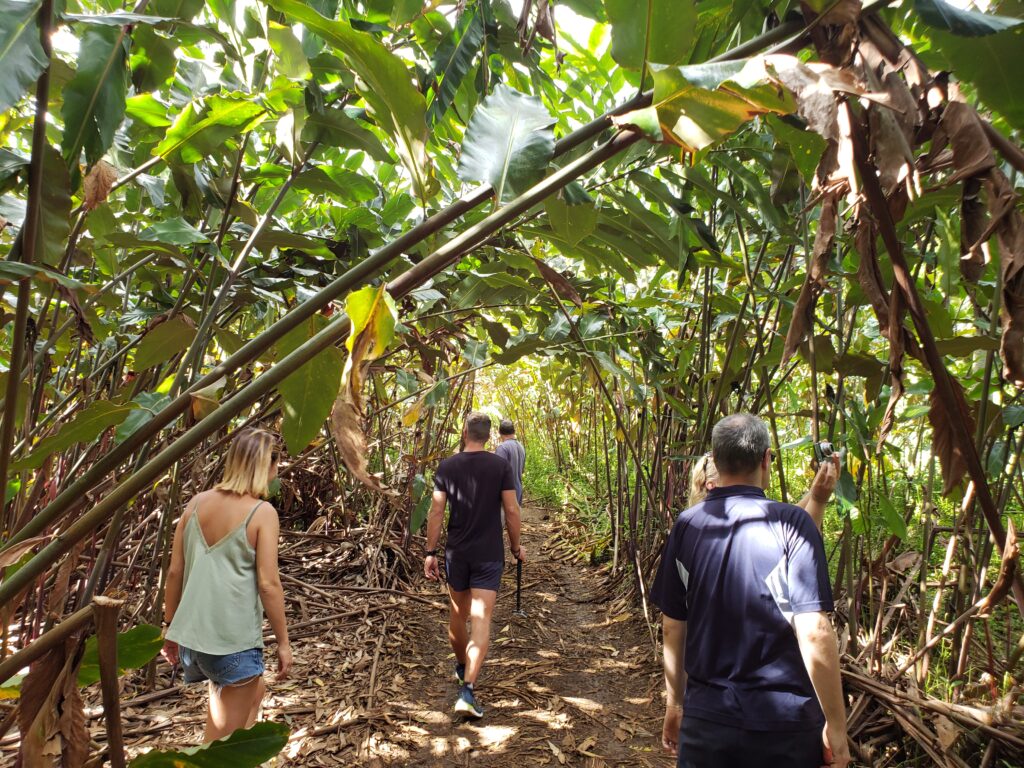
(820, 652)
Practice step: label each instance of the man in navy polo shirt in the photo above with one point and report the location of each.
(744, 592)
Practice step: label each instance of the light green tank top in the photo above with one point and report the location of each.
(220, 611)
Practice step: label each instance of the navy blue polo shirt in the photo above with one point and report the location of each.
(737, 568)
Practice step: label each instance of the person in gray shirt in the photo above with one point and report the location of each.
(513, 452)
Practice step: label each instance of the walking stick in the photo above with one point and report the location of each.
(519, 590)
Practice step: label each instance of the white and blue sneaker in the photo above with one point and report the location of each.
(460, 673)
(467, 705)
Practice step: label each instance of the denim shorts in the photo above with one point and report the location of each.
(232, 669)
(463, 575)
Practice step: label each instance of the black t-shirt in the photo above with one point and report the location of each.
(473, 481)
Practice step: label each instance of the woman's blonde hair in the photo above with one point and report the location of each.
(248, 463)
(704, 472)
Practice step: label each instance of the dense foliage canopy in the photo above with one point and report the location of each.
(614, 221)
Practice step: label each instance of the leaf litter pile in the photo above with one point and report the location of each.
(575, 682)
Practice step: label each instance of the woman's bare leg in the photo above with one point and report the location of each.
(254, 713)
(231, 707)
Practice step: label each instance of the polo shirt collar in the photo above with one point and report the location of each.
(735, 490)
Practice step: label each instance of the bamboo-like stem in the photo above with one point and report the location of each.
(106, 612)
(29, 240)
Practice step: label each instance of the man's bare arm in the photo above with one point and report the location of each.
(674, 637)
(820, 651)
(435, 518)
(513, 520)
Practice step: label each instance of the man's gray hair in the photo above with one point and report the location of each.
(738, 443)
(506, 427)
(478, 427)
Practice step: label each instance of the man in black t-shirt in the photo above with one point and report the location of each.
(476, 485)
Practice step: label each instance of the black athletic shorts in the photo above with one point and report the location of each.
(463, 575)
(705, 744)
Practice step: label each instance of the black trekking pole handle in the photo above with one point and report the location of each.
(519, 585)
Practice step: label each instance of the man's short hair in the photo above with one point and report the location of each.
(478, 427)
(506, 427)
(738, 443)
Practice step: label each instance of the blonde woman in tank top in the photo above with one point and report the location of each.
(223, 576)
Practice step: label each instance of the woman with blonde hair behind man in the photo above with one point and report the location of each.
(704, 477)
(223, 575)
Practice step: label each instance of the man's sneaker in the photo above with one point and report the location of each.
(466, 705)
(460, 673)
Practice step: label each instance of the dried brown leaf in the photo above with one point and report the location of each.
(803, 311)
(14, 553)
(37, 713)
(836, 34)
(869, 274)
(97, 184)
(892, 132)
(973, 225)
(897, 349)
(1008, 568)
(351, 442)
(561, 285)
(951, 458)
(974, 159)
(72, 725)
(972, 152)
(947, 732)
(1009, 225)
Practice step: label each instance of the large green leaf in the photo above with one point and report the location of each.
(335, 128)
(509, 142)
(55, 210)
(385, 84)
(22, 58)
(892, 518)
(163, 342)
(135, 648)
(174, 231)
(149, 403)
(24, 391)
(13, 271)
(571, 222)
(805, 147)
(948, 18)
(246, 748)
(453, 60)
(94, 100)
(196, 135)
(286, 46)
(659, 31)
(992, 64)
(308, 394)
(86, 426)
(179, 9)
(700, 105)
(475, 352)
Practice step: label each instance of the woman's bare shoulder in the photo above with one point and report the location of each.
(265, 511)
